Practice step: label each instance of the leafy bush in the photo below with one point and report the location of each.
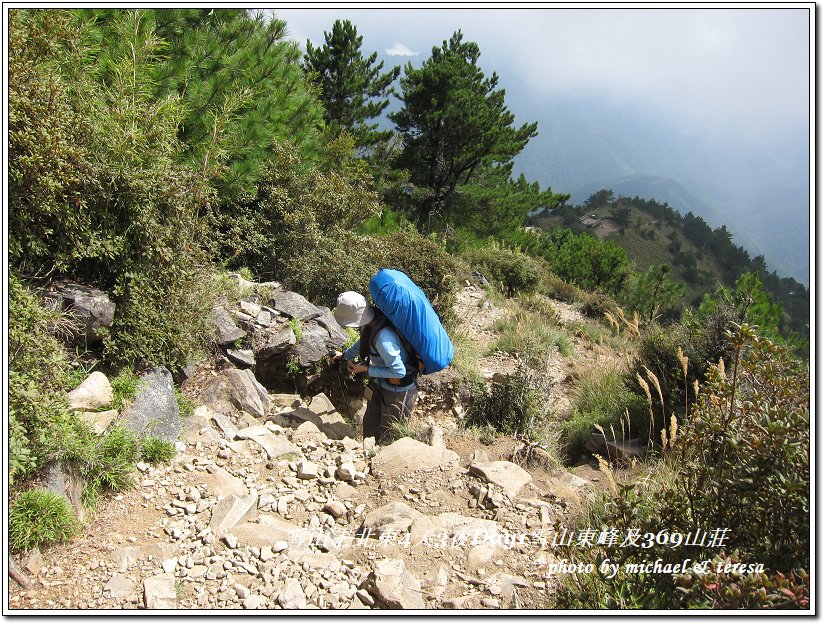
(300, 226)
(40, 517)
(49, 166)
(38, 377)
(103, 199)
(424, 261)
(596, 304)
(557, 288)
(702, 339)
(740, 461)
(516, 406)
(513, 271)
(585, 261)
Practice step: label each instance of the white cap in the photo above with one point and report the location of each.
(352, 310)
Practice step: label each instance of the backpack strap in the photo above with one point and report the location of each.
(382, 322)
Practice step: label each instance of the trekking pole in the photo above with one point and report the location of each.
(342, 390)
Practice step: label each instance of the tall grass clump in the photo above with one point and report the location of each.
(739, 463)
(533, 336)
(602, 398)
(40, 517)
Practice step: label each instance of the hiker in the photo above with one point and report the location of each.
(392, 392)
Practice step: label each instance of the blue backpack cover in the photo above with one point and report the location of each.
(408, 309)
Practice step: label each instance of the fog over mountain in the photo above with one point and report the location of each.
(705, 109)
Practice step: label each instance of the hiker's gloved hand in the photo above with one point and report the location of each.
(336, 356)
(358, 368)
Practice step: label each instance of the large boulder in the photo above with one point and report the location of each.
(91, 307)
(330, 424)
(295, 306)
(407, 455)
(236, 389)
(506, 475)
(154, 411)
(394, 517)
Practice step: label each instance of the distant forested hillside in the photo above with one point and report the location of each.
(704, 258)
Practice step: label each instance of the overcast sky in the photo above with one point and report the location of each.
(742, 71)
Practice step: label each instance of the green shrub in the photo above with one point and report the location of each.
(40, 517)
(516, 406)
(424, 261)
(103, 199)
(596, 304)
(157, 451)
(185, 404)
(124, 388)
(741, 462)
(39, 374)
(300, 226)
(557, 288)
(602, 398)
(512, 271)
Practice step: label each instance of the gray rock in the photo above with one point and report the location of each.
(407, 455)
(91, 307)
(395, 516)
(332, 425)
(321, 405)
(94, 392)
(624, 451)
(307, 470)
(346, 472)
(395, 587)
(271, 531)
(232, 511)
(241, 357)
(296, 306)
(237, 389)
(159, 592)
(227, 331)
(506, 475)
(250, 308)
(226, 426)
(154, 411)
(337, 334)
(313, 345)
(273, 342)
(220, 482)
(336, 509)
(61, 479)
(434, 436)
(275, 446)
(255, 601)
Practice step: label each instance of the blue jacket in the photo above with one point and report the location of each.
(390, 362)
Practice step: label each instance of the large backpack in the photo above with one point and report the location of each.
(409, 311)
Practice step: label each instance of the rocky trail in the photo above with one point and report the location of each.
(274, 502)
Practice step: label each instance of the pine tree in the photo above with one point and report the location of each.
(241, 85)
(454, 122)
(352, 87)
